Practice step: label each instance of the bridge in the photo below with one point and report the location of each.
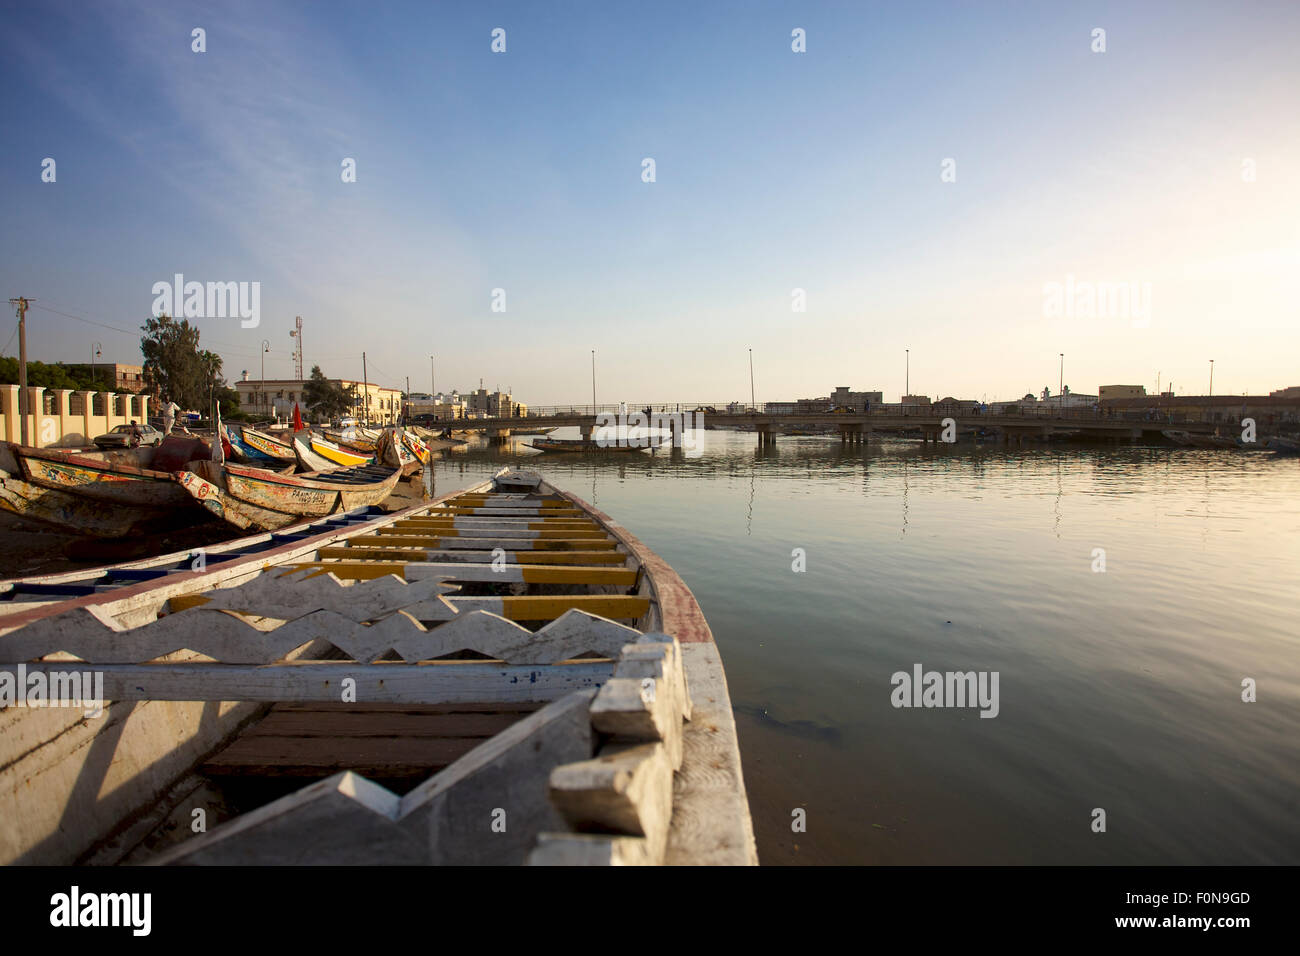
(928, 422)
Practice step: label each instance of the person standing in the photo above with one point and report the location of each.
(169, 410)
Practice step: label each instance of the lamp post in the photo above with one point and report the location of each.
(1060, 389)
(96, 349)
(907, 373)
(593, 381)
(1211, 395)
(753, 405)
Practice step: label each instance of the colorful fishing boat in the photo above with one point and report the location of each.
(507, 648)
(268, 445)
(399, 449)
(104, 494)
(336, 454)
(260, 500)
(256, 449)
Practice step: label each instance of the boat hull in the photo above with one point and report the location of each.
(253, 499)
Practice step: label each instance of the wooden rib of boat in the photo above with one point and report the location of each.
(581, 445)
(254, 498)
(338, 456)
(343, 656)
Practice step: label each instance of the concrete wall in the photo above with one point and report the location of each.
(53, 423)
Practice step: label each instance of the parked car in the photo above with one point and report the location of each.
(120, 437)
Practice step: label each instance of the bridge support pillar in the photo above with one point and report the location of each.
(766, 437)
(585, 431)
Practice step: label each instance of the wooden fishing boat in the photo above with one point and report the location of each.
(268, 445)
(104, 494)
(397, 449)
(352, 439)
(333, 453)
(1283, 446)
(255, 449)
(116, 477)
(258, 499)
(577, 690)
(580, 445)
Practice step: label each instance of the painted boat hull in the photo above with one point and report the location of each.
(250, 498)
(264, 443)
(339, 456)
(103, 479)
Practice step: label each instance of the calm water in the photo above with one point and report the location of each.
(1118, 690)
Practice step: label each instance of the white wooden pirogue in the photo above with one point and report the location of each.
(363, 649)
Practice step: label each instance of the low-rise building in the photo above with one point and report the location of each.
(1121, 391)
(275, 398)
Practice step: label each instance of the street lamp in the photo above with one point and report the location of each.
(907, 373)
(1060, 389)
(96, 350)
(753, 405)
(1211, 395)
(261, 385)
(593, 381)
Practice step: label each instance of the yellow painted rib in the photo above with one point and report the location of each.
(467, 510)
(435, 541)
(450, 532)
(552, 574)
(546, 607)
(520, 557)
(537, 524)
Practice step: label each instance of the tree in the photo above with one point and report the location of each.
(57, 375)
(174, 367)
(325, 399)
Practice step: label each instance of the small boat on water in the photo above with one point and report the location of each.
(1283, 446)
(385, 679)
(263, 501)
(106, 494)
(582, 445)
(1213, 441)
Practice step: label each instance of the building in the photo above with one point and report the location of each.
(843, 396)
(275, 398)
(1268, 411)
(111, 376)
(481, 403)
(1291, 392)
(1121, 391)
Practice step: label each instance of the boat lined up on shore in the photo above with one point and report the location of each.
(178, 482)
(360, 689)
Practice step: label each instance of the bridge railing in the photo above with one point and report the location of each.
(790, 410)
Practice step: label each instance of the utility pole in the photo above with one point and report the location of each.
(907, 373)
(22, 302)
(365, 386)
(1060, 387)
(433, 380)
(593, 381)
(1211, 395)
(406, 412)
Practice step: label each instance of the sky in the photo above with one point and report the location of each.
(924, 173)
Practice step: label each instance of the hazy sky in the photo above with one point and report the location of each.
(1169, 163)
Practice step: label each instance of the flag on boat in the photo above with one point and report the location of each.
(297, 418)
